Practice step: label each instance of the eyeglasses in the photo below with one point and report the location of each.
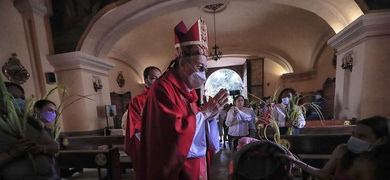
(202, 68)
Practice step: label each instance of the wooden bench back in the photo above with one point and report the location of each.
(314, 149)
(90, 142)
(317, 123)
(328, 130)
(108, 159)
(314, 144)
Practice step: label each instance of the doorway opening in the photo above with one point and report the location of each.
(223, 78)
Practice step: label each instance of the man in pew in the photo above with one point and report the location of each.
(365, 156)
(134, 121)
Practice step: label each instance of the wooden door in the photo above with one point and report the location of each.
(121, 101)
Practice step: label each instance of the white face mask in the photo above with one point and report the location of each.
(358, 146)
(197, 79)
(318, 96)
(285, 100)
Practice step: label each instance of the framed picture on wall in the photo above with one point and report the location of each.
(110, 110)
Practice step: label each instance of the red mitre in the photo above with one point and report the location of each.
(193, 41)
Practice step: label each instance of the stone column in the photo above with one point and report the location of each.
(363, 91)
(35, 14)
(79, 71)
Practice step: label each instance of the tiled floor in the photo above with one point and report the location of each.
(220, 169)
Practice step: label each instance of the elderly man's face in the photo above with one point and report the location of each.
(196, 63)
(191, 65)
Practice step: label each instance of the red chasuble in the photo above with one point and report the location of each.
(133, 125)
(168, 128)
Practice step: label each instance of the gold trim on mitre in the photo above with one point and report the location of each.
(195, 40)
(191, 43)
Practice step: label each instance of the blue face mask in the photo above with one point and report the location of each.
(19, 102)
(49, 116)
(358, 146)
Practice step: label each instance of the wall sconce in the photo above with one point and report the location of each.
(347, 61)
(97, 83)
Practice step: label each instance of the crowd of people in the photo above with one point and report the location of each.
(168, 136)
(178, 138)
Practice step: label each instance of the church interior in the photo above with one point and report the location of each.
(99, 49)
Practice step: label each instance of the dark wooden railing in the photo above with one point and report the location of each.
(85, 149)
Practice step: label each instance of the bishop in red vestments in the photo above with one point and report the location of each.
(176, 135)
(134, 121)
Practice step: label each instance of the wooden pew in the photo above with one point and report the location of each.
(314, 150)
(325, 130)
(317, 139)
(96, 142)
(108, 159)
(328, 127)
(323, 127)
(314, 144)
(317, 123)
(90, 142)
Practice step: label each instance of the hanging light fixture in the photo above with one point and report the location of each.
(216, 53)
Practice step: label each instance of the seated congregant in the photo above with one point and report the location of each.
(365, 156)
(27, 153)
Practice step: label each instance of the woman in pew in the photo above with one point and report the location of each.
(365, 156)
(45, 112)
(281, 115)
(30, 157)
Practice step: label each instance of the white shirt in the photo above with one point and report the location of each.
(240, 123)
(279, 113)
(204, 129)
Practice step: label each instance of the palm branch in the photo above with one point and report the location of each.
(66, 101)
(10, 122)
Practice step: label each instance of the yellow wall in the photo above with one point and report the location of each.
(13, 40)
(272, 73)
(133, 83)
(367, 90)
(312, 81)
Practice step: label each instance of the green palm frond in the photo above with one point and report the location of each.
(66, 101)
(11, 124)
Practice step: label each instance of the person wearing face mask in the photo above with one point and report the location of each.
(17, 93)
(134, 118)
(30, 157)
(45, 112)
(320, 102)
(178, 138)
(366, 155)
(279, 112)
(240, 121)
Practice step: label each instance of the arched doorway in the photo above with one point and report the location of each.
(223, 78)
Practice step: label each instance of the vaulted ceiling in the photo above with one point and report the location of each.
(292, 33)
